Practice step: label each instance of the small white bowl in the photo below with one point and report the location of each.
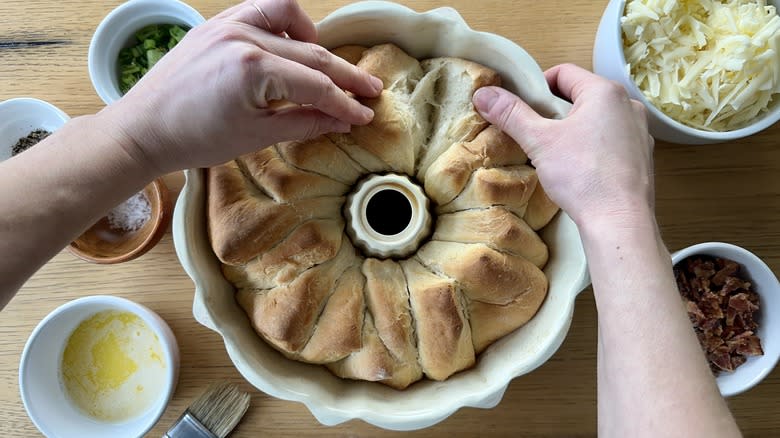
(42, 392)
(116, 32)
(19, 117)
(765, 284)
(610, 62)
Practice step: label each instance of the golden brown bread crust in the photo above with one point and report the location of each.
(312, 243)
(340, 327)
(443, 332)
(387, 299)
(503, 291)
(285, 316)
(396, 69)
(490, 322)
(321, 156)
(244, 222)
(510, 187)
(450, 172)
(541, 210)
(455, 119)
(497, 228)
(485, 274)
(398, 126)
(285, 183)
(275, 223)
(389, 136)
(350, 53)
(374, 362)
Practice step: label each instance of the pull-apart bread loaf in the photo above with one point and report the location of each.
(276, 224)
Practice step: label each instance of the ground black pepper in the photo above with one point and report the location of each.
(31, 140)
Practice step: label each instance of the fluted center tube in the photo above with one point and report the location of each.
(387, 216)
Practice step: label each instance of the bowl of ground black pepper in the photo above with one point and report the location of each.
(24, 122)
(128, 230)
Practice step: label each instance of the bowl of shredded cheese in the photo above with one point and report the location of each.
(708, 71)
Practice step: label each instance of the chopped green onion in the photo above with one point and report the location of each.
(151, 44)
(152, 56)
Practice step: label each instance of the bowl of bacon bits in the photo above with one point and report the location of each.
(733, 300)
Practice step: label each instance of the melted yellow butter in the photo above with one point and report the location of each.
(109, 361)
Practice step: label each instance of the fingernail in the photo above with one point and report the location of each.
(485, 98)
(368, 113)
(377, 84)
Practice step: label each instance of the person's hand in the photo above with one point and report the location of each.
(596, 162)
(217, 94)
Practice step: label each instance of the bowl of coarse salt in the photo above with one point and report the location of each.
(129, 230)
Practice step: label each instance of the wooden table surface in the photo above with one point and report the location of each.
(728, 192)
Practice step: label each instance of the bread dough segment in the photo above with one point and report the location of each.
(340, 326)
(284, 182)
(312, 243)
(350, 53)
(374, 362)
(443, 332)
(503, 292)
(359, 154)
(393, 134)
(388, 142)
(387, 299)
(485, 274)
(511, 187)
(450, 172)
(454, 119)
(323, 157)
(496, 227)
(244, 222)
(399, 127)
(285, 316)
(490, 322)
(398, 71)
(541, 210)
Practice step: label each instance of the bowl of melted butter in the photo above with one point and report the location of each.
(98, 366)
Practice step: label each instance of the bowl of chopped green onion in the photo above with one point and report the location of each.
(132, 39)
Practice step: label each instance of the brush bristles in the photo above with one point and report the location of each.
(220, 408)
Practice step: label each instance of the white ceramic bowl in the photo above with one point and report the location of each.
(610, 62)
(116, 32)
(440, 32)
(42, 393)
(765, 284)
(19, 117)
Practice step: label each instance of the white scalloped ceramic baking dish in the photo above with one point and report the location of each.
(440, 32)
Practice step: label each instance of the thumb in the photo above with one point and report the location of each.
(513, 116)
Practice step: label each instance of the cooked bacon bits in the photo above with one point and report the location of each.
(721, 307)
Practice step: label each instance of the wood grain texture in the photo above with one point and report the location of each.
(728, 192)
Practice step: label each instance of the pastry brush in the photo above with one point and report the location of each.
(213, 415)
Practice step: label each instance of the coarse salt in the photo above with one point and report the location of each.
(132, 214)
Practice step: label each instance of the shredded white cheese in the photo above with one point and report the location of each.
(710, 64)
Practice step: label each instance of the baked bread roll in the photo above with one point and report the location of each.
(277, 225)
